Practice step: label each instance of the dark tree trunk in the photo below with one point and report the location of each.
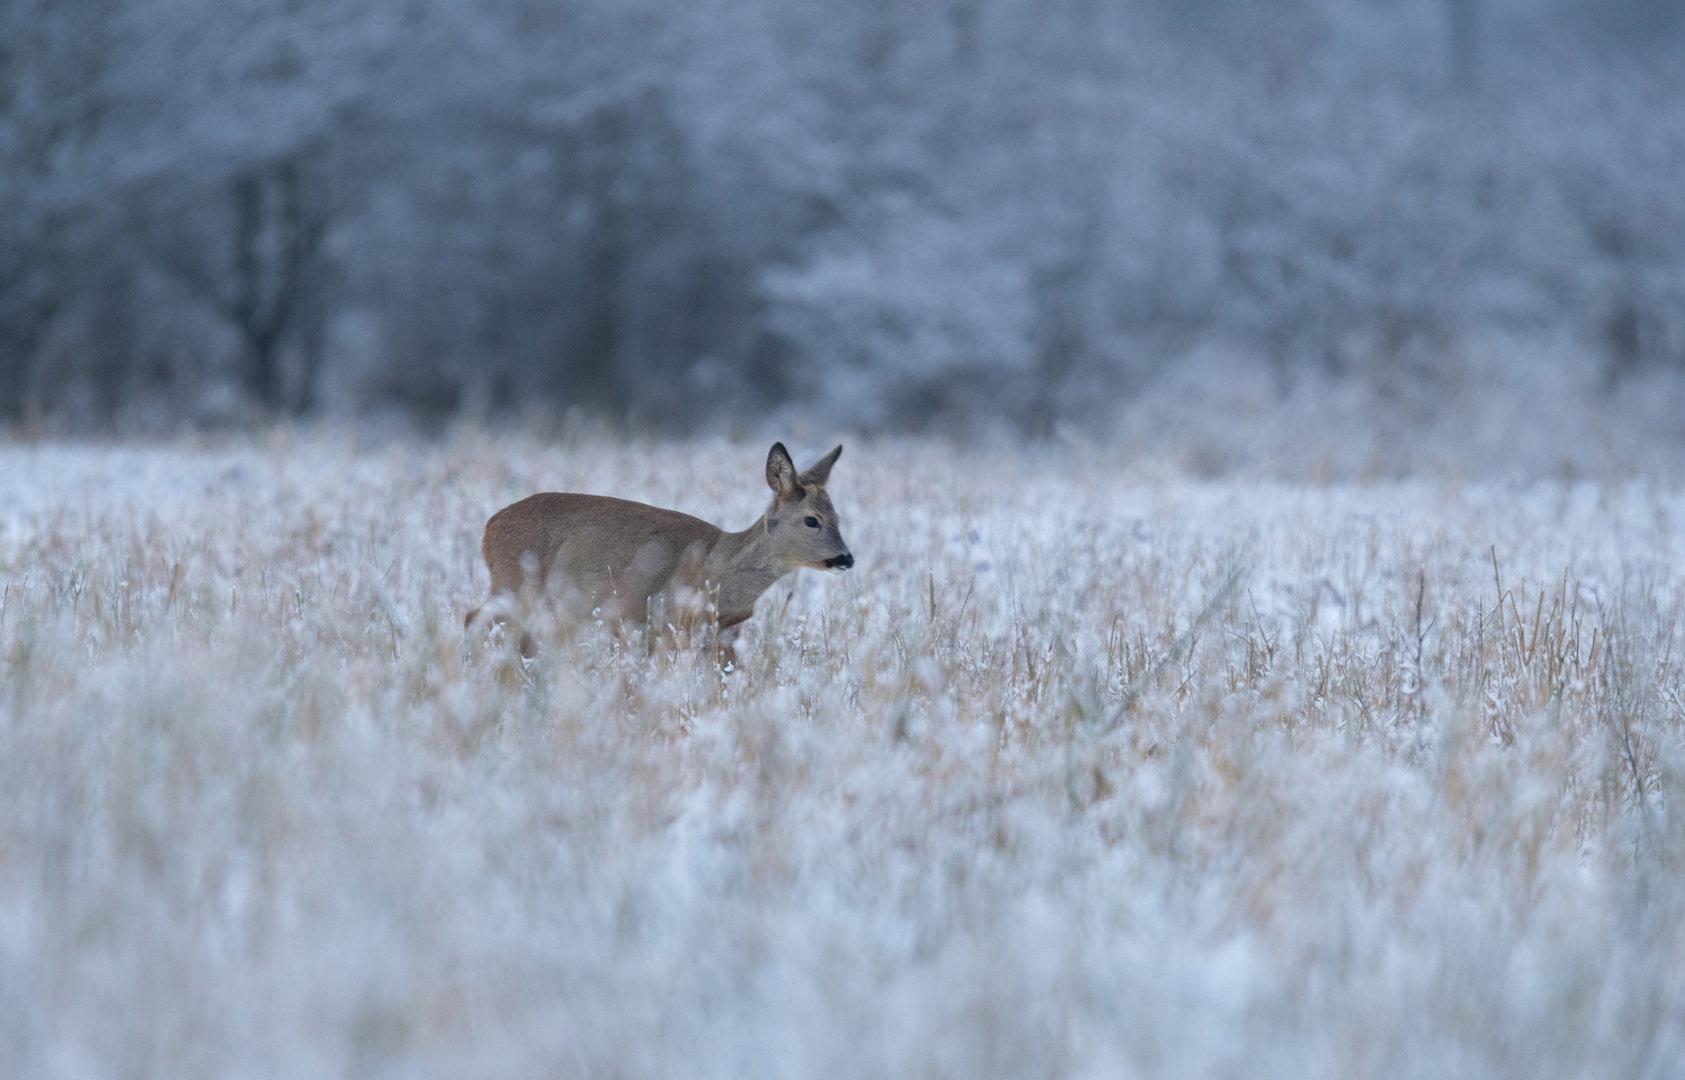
(277, 241)
(1462, 18)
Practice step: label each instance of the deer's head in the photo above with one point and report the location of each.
(801, 522)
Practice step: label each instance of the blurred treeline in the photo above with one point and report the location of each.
(901, 212)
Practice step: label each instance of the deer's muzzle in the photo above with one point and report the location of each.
(838, 563)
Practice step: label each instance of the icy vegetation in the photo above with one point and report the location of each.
(1088, 769)
(902, 217)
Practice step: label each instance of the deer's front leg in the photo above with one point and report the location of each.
(724, 653)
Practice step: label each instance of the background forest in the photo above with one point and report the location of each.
(1437, 223)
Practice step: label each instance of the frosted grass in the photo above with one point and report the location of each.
(1086, 770)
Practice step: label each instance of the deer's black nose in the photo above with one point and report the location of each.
(839, 562)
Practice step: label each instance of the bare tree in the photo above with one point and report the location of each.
(279, 226)
(1462, 21)
(54, 58)
(260, 266)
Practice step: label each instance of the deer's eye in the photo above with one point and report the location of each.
(812, 523)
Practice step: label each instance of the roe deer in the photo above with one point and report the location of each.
(598, 557)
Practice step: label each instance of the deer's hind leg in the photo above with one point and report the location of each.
(515, 587)
(502, 616)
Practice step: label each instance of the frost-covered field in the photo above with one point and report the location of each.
(1086, 770)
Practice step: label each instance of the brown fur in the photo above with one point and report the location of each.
(593, 556)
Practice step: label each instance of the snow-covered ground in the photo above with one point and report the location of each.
(1087, 769)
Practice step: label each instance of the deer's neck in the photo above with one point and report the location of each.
(742, 566)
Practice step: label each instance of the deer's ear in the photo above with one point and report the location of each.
(780, 470)
(820, 471)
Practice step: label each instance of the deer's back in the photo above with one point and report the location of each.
(595, 545)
